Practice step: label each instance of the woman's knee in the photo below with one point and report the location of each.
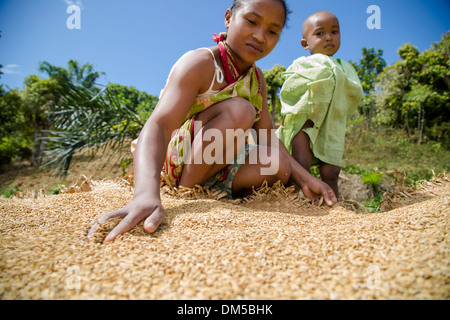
(235, 113)
(241, 112)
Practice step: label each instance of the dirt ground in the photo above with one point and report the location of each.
(41, 179)
(272, 245)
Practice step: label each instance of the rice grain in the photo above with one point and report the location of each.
(272, 245)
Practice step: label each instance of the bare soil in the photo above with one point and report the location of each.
(42, 179)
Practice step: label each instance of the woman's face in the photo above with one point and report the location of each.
(254, 29)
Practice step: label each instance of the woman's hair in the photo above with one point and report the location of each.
(238, 3)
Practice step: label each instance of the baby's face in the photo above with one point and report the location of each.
(322, 34)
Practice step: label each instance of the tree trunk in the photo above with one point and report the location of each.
(407, 127)
(421, 124)
(36, 147)
(43, 146)
(371, 113)
(447, 81)
(274, 107)
(39, 144)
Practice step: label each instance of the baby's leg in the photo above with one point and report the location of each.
(301, 147)
(330, 175)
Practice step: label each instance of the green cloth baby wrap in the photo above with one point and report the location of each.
(326, 91)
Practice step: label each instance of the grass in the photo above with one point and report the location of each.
(387, 149)
(9, 191)
(383, 149)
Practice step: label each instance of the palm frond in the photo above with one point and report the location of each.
(89, 120)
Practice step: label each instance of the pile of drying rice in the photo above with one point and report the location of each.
(271, 246)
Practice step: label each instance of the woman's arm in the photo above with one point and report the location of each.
(311, 187)
(189, 77)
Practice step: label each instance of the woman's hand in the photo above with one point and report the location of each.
(140, 208)
(315, 189)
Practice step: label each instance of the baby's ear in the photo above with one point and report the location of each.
(305, 44)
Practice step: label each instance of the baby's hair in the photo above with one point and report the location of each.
(238, 3)
(319, 12)
(315, 14)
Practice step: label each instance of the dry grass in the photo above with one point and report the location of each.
(271, 246)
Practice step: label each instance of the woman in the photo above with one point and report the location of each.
(195, 93)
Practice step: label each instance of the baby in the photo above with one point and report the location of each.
(319, 95)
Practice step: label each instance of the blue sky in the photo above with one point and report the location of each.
(136, 42)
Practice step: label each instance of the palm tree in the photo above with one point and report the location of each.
(74, 74)
(93, 120)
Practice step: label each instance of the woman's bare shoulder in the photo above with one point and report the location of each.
(199, 60)
(196, 66)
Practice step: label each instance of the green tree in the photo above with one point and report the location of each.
(39, 96)
(414, 92)
(369, 67)
(443, 47)
(141, 102)
(274, 82)
(15, 137)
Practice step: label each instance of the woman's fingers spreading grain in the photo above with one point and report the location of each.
(104, 218)
(316, 189)
(330, 197)
(125, 225)
(152, 223)
(150, 211)
(122, 213)
(133, 218)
